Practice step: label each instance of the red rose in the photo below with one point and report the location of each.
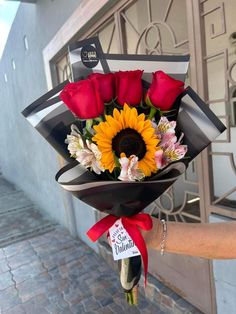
(129, 87)
(164, 90)
(106, 84)
(83, 99)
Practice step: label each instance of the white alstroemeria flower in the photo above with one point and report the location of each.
(129, 169)
(90, 157)
(154, 125)
(74, 141)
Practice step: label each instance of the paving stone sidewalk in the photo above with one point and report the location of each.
(52, 272)
(19, 219)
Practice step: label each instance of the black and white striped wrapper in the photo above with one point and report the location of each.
(175, 66)
(52, 120)
(118, 198)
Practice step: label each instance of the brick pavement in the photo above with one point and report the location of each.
(19, 219)
(53, 273)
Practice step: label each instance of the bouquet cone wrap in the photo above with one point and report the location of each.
(118, 198)
(52, 119)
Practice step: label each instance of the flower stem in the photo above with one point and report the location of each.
(132, 296)
(130, 272)
(152, 112)
(89, 123)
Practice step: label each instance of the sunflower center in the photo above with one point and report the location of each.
(130, 142)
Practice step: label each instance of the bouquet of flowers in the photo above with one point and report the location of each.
(125, 136)
(126, 142)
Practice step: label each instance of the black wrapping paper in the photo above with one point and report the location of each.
(52, 120)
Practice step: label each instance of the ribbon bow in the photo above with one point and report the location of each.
(132, 225)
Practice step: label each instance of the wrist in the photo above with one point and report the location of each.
(154, 236)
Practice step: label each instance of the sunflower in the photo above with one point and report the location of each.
(127, 132)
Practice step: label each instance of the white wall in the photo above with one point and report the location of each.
(25, 157)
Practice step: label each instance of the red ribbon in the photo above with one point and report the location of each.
(132, 225)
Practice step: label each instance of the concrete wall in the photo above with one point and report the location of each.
(25, 157)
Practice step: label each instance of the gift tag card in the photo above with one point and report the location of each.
(122, 244)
